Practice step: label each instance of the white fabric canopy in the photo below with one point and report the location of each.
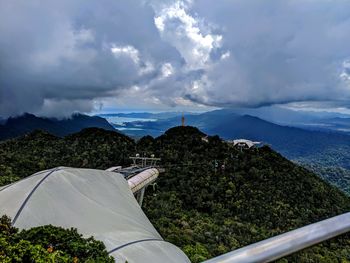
(98, 203)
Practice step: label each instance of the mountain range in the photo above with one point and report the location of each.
(309, 120)
(26, 123)
(326, 152)
(293, 142)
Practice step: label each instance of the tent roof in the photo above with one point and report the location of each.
(98, 203)
(249, 143)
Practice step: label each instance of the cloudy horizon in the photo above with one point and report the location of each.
(60, 57)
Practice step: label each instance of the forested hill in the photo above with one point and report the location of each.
(204, 210)
(90, 148)
(26, 123)
(293, 142)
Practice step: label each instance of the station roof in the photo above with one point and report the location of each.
(249, 143)
(98, 203)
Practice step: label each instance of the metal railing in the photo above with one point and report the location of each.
(287, 243)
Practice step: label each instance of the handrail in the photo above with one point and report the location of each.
(285, 244)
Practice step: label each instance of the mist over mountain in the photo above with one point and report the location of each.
(287, 116)
(16, 126)
(292, 141)
(145, 115)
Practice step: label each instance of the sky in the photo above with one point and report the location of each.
(61, 56)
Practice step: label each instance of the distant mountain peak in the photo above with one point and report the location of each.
(181, 130)
(27, 122)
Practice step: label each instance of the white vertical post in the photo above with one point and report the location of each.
(140, 196)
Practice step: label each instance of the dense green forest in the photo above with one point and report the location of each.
(48, 244)
(204, 208)
(329, 167)
(90, 148)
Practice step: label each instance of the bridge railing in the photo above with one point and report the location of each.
(285, 244)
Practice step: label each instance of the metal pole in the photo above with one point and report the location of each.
(140, 196)
(285, 244)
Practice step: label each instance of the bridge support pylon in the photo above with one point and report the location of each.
(140, 195)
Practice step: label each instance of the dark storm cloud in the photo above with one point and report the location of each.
(280, 51)
(75, 51)
(57, 57)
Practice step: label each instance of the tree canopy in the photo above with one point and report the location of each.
(48, 244)
(212, 198)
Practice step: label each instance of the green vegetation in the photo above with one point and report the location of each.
(48, 244)
(259, 194)
(331, 165)
(90, 148)
(203, 209)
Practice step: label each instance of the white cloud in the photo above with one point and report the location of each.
(60, 51)
(279, 52)
(225, 55)
(345, 75)
(167, 70)
(184, 31)
(144, 66)
(129, 51)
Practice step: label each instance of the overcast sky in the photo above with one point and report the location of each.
(62, 56)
